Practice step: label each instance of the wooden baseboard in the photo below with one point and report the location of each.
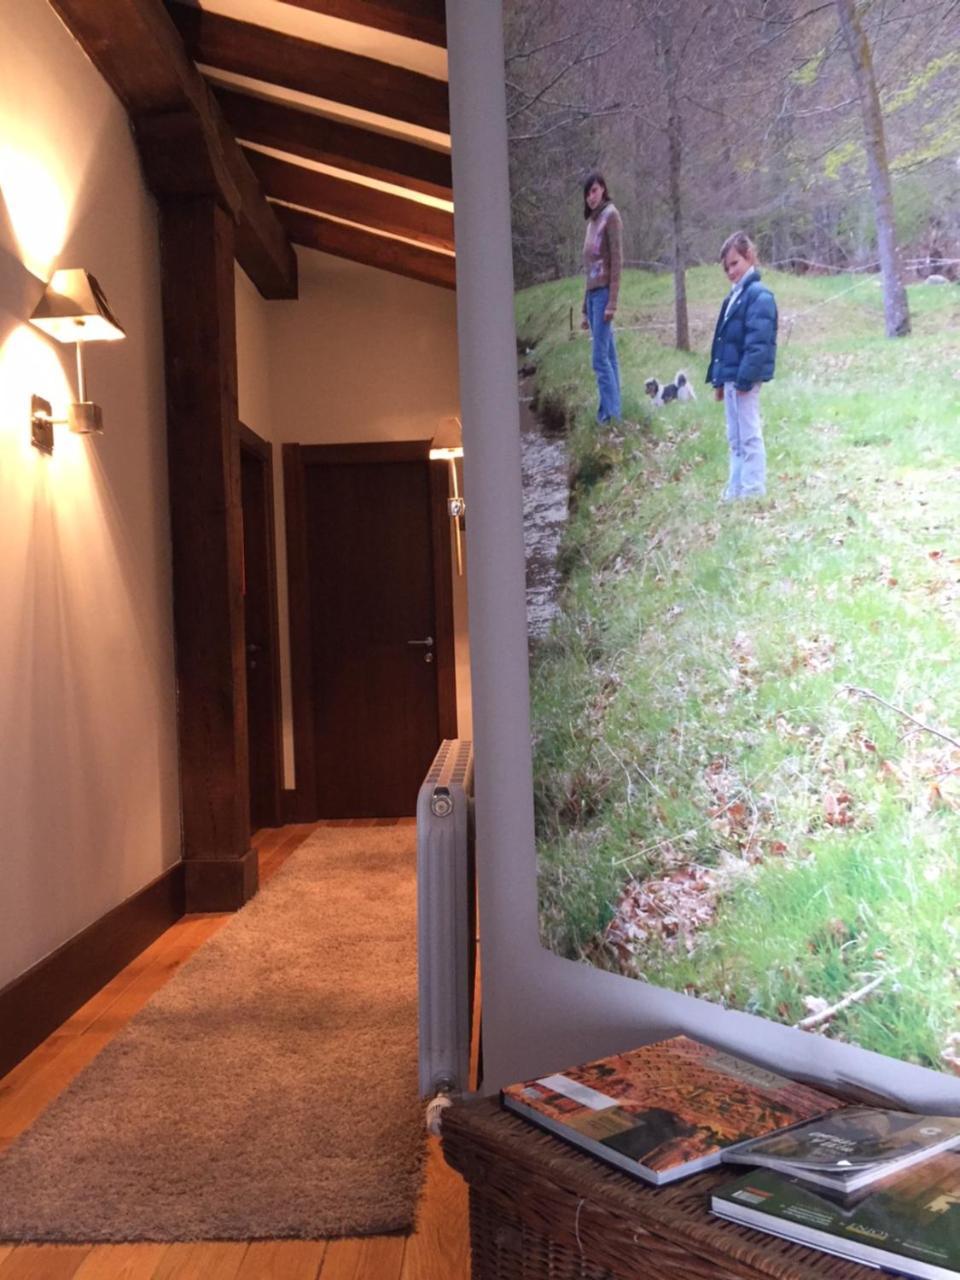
(221, 884)
(36, 1003)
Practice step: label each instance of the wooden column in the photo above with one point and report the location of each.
(197, 251)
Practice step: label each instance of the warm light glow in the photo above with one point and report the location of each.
(37, 208)
(445, 455)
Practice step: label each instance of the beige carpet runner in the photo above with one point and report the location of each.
(268, 1090)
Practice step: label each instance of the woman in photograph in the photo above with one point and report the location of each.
(602, 260)
(743, 356)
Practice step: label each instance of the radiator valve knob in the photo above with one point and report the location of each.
(441, 804)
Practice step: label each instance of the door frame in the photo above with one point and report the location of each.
(261, 450)
(302, 801)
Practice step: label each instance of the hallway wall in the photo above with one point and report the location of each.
(361, 356)
(88, 781)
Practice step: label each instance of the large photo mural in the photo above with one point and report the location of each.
(736, 248)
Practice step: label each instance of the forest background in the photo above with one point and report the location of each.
(708, 116)
(752, 716)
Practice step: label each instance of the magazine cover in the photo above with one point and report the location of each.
(910, 1223)
(667, 1109)
(736, 252)
(852, 1147)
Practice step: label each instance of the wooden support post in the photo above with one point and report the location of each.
(197, 247)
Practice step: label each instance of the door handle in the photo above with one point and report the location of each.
(428, 643)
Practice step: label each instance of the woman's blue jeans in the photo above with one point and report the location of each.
(605, 365)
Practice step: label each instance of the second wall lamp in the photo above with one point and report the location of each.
(73, 309)
(456, 505)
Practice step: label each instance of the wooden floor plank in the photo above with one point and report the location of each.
(274, 842)
(204, 1261)
(439, 1248)
(84, 1017)
(22, 1103)
(121, 1262)
(271, 863)
(189, 934)
(23, 1107)
(267, 838)
(44, 1262)
(283, 1260)
(363, 1258)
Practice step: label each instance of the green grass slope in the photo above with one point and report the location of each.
(746, 718)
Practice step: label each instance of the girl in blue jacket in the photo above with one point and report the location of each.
(743, 356)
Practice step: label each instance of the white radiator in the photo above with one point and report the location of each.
(445, 919)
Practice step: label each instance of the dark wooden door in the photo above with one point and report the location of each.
(374, 634)
(260, 626)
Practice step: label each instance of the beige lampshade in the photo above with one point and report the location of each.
(73, 309)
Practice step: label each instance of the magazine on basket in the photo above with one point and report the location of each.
(666, 1110)
(908, 1223)
(851, 1147)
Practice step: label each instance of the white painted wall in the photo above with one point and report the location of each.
(88, 779)
(257, 410)
(542, 1013)
(361, 356)
(254, 394)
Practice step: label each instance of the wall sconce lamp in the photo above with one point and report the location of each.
(456, 504)
(73, 309)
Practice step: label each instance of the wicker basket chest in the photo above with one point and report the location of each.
(541, 1210)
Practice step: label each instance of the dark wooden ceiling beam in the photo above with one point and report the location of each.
(417, 19)
(276, 58)
(345, 146)
(261, 239)
(340, 198)
(412, 260)
(178, 160)
(136, 48)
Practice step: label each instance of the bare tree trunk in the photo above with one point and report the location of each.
(781, 228)
(895, 308)
(674, 163)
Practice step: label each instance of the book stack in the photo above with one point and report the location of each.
(666, 1110)
(872, 1185)
(876, 1186)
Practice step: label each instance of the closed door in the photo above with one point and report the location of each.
(373, 634)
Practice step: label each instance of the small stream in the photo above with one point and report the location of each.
(546, 494)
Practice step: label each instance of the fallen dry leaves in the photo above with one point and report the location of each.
(670, 910)
(838, 808)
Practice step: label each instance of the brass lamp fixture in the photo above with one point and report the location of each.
(456, 504)
(73, 309)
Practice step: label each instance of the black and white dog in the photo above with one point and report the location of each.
(679, 389)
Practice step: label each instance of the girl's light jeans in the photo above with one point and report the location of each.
(748, 457)
(605, 365)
